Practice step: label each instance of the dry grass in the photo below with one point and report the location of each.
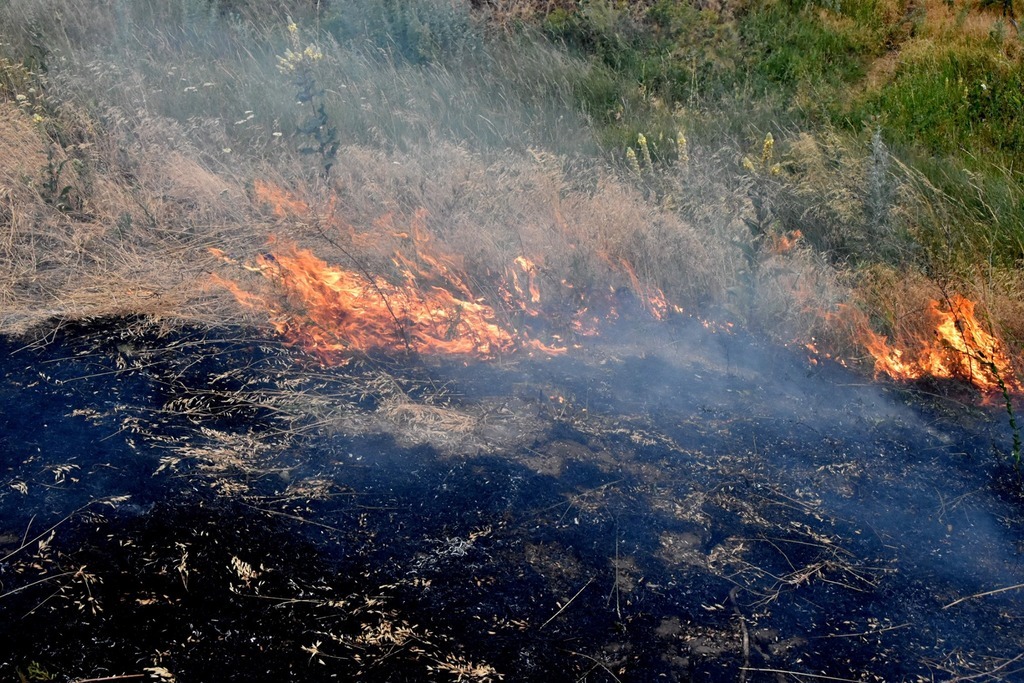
(899, 302)
(139, 245)
(963, 24)
(120, 179)
(116, 246)
(163, 173)
(488, 211)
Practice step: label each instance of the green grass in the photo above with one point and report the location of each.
(789, 46)
(954, 101)
(950, 112)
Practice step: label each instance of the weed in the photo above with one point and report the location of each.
(878, 204)
(63, 197)
(1015, 450)
(34, 672)
(760, 191)
(298, 62)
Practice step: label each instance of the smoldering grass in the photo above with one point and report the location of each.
(188, 127)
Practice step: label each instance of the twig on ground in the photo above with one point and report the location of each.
(798, 674)
(597, 662)
(985, 594)
(35, 538)
(617, 576)
(24, 538)
(296, 518)
(865, 633)
(743, 630)
(990, 672)
(36, 583)
(553, 616)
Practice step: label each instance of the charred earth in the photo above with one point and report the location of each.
(695, 506)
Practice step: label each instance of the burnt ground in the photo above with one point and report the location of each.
(669, 504)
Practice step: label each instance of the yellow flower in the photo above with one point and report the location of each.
(292, 60)
(644, 150)
(312, 53)
(631, 159)
(748, 164)
(766, 149)
(684, 154)
(287, 62)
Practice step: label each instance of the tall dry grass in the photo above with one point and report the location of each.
(126, 166)
(164, 145)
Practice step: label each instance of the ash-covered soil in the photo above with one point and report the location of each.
(670, 503)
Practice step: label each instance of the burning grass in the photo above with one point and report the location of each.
(177, 190)
(431, 307)
(958, 347)
(928, 331)
(442, 243)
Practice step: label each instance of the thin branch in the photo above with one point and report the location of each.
(295, 517)
(985, 594)
(597, 662)
(801, 673)
(981, 674)
(39, 536)
(567, 604)
(865, 633)
(743, 631)
(36, 583)
(373, 283)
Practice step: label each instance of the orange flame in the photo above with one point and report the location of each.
(652, 298)
(785, 243)
(530, 270)
(283, 203)
(960, 348)
(330, 311)
(429, 307)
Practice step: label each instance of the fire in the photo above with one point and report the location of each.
(330, 311)
(426, 306)
(959, 348)
(283, 203)
(530, 271)
(785, 243)
(651, 298)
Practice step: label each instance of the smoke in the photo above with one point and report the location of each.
(373, 112)
(377, 112)
(412, 132)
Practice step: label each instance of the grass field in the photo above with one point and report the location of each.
(813, 171)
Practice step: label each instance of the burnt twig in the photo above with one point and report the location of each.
(798, 674)
(743, 631)
(553, 616)
(985, 594)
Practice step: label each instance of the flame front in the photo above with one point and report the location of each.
(428, 306)
(959, 348)
(330, 311)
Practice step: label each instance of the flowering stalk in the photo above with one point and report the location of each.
(298, 62)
